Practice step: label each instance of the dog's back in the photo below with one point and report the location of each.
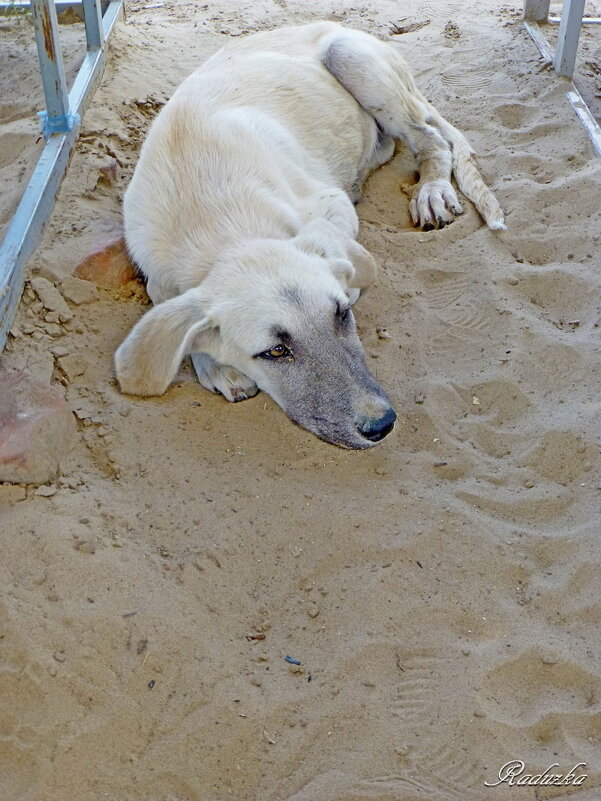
(252, 119)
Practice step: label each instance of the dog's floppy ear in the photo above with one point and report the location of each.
(148, 360)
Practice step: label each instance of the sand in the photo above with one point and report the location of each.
(441, 591)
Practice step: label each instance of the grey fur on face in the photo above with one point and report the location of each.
(326, 387)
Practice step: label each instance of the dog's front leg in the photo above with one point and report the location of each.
(379, 79)
(222, 379)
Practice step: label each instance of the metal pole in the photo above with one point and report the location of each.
(536, 10)
(567, 38)
(585, 20)
(25, 230)
(92, 14)
(51, 67)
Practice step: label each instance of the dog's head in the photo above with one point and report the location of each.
(282, 317)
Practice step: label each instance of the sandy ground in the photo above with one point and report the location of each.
(441, 590)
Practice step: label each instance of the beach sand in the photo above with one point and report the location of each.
(441, 591)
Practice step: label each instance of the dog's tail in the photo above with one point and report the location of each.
(468, 176)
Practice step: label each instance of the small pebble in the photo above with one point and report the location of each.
(86, 546)
(53, 330)
(72, 366)
(78, 291)
(45, 491)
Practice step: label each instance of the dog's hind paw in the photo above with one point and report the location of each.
(222, 379)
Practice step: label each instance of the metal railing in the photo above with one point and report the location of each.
(563, 57)
(60, 125)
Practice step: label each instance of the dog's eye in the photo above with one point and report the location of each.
(343, 313)
(277, 352)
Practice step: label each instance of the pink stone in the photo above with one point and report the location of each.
(36, 429)
(108, 265)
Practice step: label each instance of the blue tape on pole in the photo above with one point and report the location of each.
(54, 125)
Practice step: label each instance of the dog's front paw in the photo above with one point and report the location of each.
(434, 205)
(222, 379)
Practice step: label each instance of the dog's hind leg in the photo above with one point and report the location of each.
(382, 153)
(224, 380)
(379, 79)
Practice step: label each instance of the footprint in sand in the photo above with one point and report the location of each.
(537, 507)
(560, 296)
(441, 773)
(492, 411)
(447, 11)
(497, 401)
(515, 116)
(418, 688)
(465, 79)
(523, 691)
(539, 242)
(414, 785)
(520, 165)
(515, 480)
(458, 314)
(562, 456)
(22, 709)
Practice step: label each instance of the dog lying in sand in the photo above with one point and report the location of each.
(240, 215)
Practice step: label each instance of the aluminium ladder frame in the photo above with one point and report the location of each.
(60, 127)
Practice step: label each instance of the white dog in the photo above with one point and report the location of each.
(240, 215)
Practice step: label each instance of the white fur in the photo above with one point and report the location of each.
(243, 191)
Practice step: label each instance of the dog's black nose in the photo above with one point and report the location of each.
(375, 430)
